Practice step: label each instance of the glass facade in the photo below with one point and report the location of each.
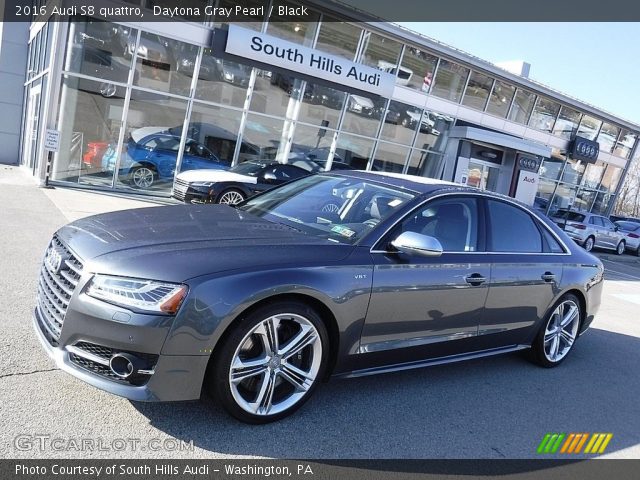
(137, 107)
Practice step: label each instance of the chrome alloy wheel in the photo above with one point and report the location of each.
(275, 364)
(561, 331)
(231, 198)
(143, 177)
(588, 245)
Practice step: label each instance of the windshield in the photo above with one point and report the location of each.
(248, 168)
(333, 207)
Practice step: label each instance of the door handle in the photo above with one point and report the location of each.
(475, 279)
(548, 277)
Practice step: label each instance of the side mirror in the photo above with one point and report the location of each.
(616, 228)
(270, 177)
(413, 243)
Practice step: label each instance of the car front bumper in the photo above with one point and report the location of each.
(173, 378)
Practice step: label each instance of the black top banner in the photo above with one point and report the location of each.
(305, 11)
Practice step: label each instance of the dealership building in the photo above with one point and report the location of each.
(136, 102)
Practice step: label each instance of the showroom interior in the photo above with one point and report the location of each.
(120, 92)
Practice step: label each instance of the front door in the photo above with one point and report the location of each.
(422, 302)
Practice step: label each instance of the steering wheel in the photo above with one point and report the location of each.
(372, 222)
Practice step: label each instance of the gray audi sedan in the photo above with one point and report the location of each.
(336, 274)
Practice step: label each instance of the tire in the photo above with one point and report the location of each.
(589, 244)
(231, 196)
(270, 387)
(552, 346)
(143, 176)
(620, 248)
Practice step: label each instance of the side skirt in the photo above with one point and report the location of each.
(435, 361)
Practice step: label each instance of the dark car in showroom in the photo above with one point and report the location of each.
(260, 303)
(234, 185)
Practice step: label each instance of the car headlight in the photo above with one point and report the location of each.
(228, 76)
(202, 184)
(147, 295)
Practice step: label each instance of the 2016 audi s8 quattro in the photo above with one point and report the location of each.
(260, 303)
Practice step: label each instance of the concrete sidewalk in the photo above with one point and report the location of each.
(75, 203)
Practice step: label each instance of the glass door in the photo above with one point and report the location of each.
(31, 128)
(482, 175)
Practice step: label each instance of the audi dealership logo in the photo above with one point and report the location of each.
(589, 150)
(585, 149)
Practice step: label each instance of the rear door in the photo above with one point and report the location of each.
(525, 273)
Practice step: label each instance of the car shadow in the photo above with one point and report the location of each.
(499, 407)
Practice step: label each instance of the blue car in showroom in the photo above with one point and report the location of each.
(151, 154)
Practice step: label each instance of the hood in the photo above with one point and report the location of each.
(210, 175)
(175, 243)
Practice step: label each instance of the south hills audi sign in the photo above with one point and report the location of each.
(307, 61)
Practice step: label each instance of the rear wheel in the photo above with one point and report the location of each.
(620, 248)
(558, 333)
(588, 244)
(231, 197)
(271, 362)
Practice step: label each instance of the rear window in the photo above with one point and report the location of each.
(628, 226)
(573, 216)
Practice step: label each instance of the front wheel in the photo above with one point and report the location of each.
(231, 197)
(270, 363)
(620, 248)
(559, 332)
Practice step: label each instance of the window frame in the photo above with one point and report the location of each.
(379, 244)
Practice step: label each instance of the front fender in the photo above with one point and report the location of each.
(215, 302)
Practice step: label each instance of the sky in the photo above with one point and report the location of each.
(598, 63)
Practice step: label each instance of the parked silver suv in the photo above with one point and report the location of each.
(590, 230)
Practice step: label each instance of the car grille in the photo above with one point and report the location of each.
(59, 276)
(95, 359)
(180, 188)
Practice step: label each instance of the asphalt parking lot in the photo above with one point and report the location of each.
(499, 407)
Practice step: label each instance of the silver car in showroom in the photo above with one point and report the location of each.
(259, 304)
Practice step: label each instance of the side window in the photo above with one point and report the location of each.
(606, 222)
(294, 172)
(453, 221)
(554, 245)
(512, 229)
(597, 221)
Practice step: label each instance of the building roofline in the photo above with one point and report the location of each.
(469, 60)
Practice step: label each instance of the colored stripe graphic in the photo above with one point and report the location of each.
(551, 442)
(572, 443)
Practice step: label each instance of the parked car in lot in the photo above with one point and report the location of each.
(631, 232)
(235, 185)
(151, 155)
(262, 302)
(590, 230)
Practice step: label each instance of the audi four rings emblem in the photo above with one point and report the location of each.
(587, 150)
(53, 260)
